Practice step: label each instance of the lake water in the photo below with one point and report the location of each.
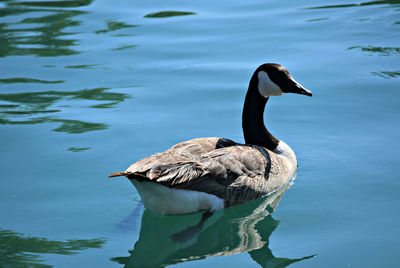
(89, 87)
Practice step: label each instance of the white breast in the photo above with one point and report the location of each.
(286, 153)
(164, 200)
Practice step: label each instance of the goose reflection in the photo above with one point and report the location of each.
(166, 240)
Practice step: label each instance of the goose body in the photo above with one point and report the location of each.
(213, 173)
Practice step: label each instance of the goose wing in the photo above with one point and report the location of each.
(235, 173)
(185, 151)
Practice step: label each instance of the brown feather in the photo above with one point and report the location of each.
(233, 172)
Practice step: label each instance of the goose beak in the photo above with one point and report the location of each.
(305, 91)
(295, 87)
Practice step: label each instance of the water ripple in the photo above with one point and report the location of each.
(20, 105)
(383, 51)
(46, 37)
(387, 74)
(114, 26)
(167, 14)
(19, 250)
(387, 2)
(28, 80)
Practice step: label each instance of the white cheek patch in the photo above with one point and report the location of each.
(266, 87)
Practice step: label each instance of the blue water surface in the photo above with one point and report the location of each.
(89, 87)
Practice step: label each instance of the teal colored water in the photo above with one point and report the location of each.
(89, 87)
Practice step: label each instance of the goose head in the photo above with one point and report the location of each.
(274, 80)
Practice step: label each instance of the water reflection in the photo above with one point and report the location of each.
(66, 3)
(383, 2)
(47, 36)
(114, 26)
(387, 74)
(383, 51)
(124, 47)
(167, 14)
(28, 80)
(79, 66)
(78, 149)
(181, 238)
(318, 19)
(22, 108)
(77, 127)
(45, 29)
(18, 250)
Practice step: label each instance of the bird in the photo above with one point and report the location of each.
(209, 174)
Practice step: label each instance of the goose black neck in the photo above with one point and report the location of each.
(254, 130)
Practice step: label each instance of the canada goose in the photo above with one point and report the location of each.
(213, 173)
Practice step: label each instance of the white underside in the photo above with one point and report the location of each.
(164, 200)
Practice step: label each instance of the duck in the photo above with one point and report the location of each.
(209, 174)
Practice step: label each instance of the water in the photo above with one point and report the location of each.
(89, 87)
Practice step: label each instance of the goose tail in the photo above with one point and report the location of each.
(129, 175)
(117, 174)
